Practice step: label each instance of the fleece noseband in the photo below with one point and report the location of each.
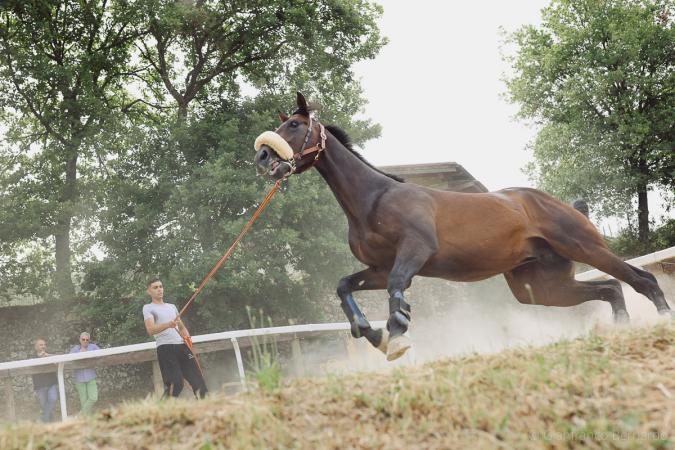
(285, 152)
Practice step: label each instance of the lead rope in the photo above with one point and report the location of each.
(263, 205)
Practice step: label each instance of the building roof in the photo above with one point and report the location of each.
(447, 176)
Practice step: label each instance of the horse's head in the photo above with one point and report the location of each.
(294, 147)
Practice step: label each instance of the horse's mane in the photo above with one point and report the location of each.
(345, 140)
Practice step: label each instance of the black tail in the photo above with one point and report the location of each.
(581, 206)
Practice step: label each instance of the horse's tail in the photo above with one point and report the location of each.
(581, 206)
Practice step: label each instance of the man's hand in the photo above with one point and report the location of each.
(153, 328)
(173, 323)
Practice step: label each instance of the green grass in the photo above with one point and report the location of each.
(263, 362)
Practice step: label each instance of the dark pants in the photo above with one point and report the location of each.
(176, 362)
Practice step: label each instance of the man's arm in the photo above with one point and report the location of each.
(153, 328)
(182, 330)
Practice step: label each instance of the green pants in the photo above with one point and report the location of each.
(88, 395)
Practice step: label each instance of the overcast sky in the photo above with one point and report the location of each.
(435, 88)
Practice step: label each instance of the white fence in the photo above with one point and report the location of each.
(136, 353)
(208, 343)
(641, 261)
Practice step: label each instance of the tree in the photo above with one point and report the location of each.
(598, 76)
(289, 262)
(191, 46)
(63, 67)
(160, 182)
(183, 186)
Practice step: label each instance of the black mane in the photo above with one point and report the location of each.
(344, 139)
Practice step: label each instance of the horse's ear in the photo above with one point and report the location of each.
(302, 103)
(283, 117)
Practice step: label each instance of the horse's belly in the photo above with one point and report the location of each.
(457, 273)
(471, 269)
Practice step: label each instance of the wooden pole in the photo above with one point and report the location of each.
(9, 393)
(298, 360)
(157, 378)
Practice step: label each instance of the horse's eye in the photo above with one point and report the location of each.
(294, 123)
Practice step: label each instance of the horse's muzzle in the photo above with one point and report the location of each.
(268, 163)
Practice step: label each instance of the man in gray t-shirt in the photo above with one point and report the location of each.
(176, 360)
(163, 313)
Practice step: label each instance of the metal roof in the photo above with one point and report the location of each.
(447, 176)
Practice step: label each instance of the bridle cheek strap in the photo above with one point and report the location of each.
(306, 153)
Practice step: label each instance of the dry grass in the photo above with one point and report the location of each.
(614, 389)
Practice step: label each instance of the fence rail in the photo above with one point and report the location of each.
(205, 343)
(136, 353)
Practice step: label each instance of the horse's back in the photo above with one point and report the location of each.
(479, 235)
(566, 229)
(497, 231)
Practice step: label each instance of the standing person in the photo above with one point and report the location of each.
(45, 384)
(176, 361)
(85, 379)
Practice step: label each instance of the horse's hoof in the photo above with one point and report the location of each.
(397, 347)
(621, 317)
(384, 341)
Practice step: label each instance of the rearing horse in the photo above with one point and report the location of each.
(399, 230)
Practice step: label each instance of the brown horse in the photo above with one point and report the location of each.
(399, 230)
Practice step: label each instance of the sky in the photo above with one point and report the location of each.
(436, 88)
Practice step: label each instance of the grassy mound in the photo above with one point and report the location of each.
(613, 389)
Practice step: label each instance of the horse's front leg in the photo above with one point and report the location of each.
(368, 279)
(411, 256)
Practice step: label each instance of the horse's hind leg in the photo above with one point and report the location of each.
(642, 281)
(368, 279)
(551, 282)
(606, 290)
(580, 241)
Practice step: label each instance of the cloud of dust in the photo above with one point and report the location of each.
(480, 325)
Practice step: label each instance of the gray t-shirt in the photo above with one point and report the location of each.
(163, 313)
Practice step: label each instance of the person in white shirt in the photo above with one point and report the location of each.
(176, 360)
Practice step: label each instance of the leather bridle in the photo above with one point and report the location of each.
(305, 154)
(313, 152)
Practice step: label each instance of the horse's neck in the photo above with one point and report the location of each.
(352, 181)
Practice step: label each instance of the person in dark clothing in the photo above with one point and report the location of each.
(45, 385)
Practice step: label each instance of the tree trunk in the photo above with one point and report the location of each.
(63, 278)
(643, 204)
(182, 112)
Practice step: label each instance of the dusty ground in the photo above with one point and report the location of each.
(612, 389)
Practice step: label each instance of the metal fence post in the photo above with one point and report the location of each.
(240, 362)
(62, 391)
